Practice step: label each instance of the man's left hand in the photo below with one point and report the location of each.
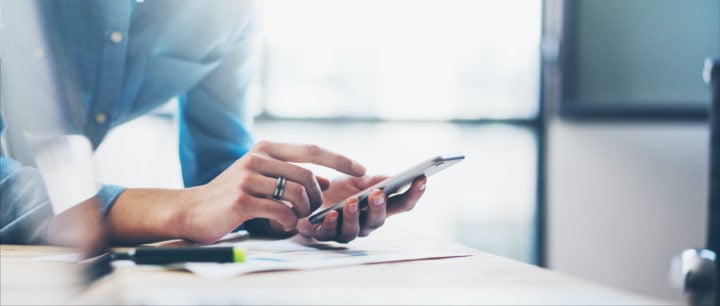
(356, 221)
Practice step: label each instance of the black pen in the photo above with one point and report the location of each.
(167, 255)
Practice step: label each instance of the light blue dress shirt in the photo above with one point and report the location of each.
(117, 60)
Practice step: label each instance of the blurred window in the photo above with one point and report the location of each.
(638, 59)
(401, 59)
(410, 60)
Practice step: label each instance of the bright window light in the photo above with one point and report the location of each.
(401, 59)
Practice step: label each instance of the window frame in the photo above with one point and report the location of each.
(581, 110)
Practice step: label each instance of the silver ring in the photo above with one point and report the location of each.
(279, 188)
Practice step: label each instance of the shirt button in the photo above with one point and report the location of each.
(116, 37)
(100, 118)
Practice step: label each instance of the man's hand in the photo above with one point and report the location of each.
(246, 190)
(356, 222)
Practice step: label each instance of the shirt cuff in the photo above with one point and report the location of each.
(107, 196)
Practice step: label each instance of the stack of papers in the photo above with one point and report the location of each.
(299, 253)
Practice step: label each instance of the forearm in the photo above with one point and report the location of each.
(150, 215)
(79, 226)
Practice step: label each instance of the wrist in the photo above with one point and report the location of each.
(151, 215)
(185, 217)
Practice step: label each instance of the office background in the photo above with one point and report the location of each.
(583, 122)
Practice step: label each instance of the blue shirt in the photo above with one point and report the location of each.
(117, 60)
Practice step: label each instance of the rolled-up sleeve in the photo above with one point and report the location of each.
(107, 196)
(214, 115)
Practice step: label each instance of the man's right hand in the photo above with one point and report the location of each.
(245, 190)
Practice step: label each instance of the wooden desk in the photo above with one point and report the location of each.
(479, 279)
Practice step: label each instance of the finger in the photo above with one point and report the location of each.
(350, 227)
(323, 182)
(328, 228)
(273, 210)
(367, 181)
(407, 200)
(306, 229)
(274, 168)
(376, 213)
(308, 153)
(294, 193)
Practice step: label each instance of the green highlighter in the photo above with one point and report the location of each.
(168, 255)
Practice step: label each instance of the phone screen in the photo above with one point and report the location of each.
(395, 183)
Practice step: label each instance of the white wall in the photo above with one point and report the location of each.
(624, 198)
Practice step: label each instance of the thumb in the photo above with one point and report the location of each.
(323, 182)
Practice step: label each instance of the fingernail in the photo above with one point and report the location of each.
(332, 218)
(378, 200)
(358, 168)
(352, 208)
(422, 187)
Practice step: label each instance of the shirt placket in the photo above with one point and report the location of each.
(115, 34)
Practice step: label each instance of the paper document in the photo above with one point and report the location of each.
(298, 253)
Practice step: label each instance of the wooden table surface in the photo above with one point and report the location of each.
(26, 277)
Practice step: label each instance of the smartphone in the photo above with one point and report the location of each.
(394, 184)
